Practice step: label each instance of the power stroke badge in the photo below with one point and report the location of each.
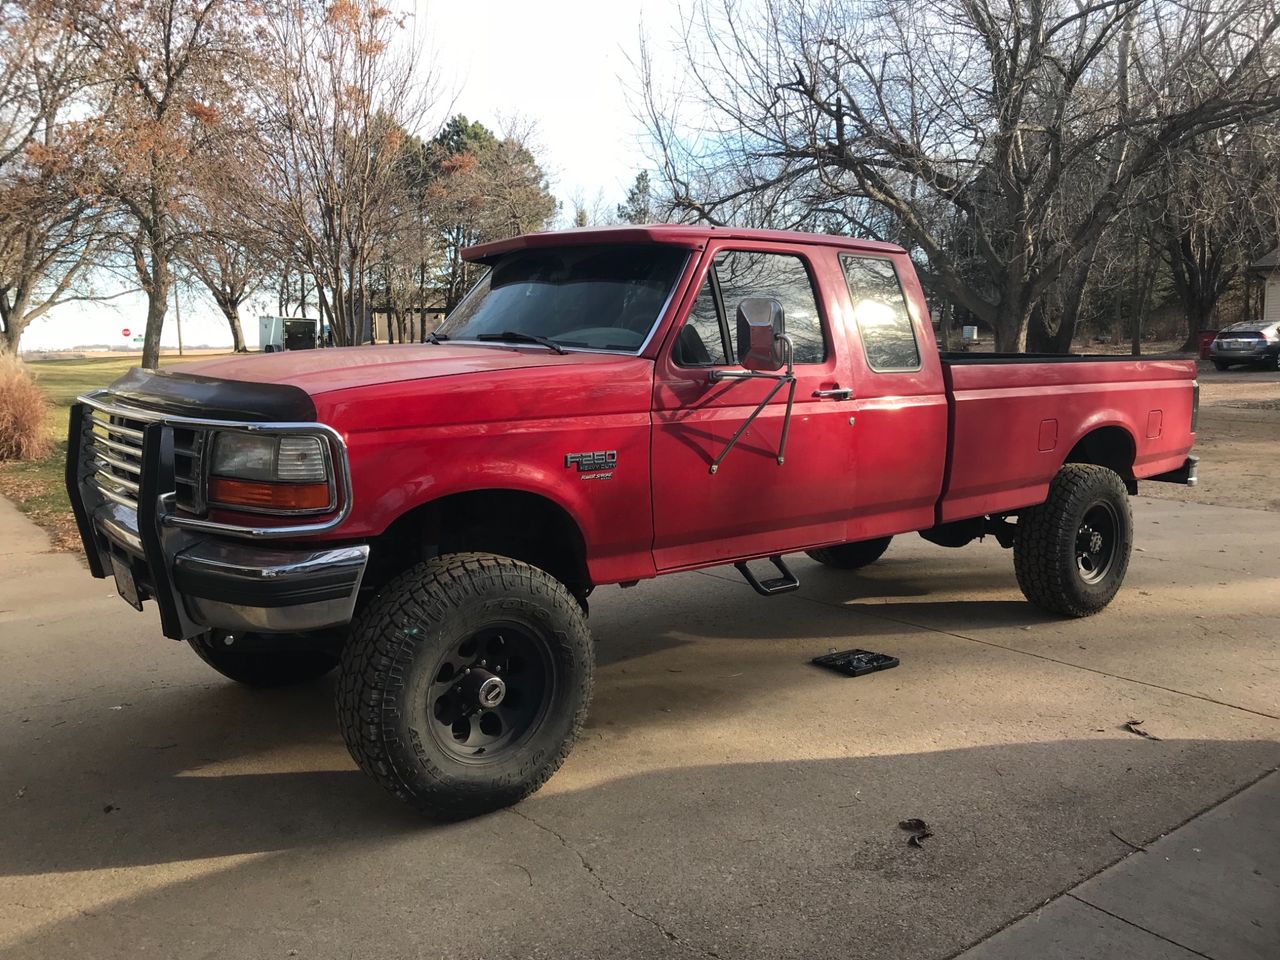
(597, 465)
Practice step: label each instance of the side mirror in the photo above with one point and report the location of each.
(761, 327)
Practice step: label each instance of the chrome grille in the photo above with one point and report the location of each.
(115, 448)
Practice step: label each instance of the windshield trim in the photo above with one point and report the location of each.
(676, 284)
(508, 344)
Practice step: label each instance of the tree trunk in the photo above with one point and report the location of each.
(14, 316)
(157, 307)
(11, 337)
(232, 313)
(1011, 326)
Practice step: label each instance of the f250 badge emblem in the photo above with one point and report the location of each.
(593, 466)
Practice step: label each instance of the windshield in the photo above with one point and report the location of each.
(600, 298)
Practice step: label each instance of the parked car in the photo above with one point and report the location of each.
(1253, 343)
(604, 407)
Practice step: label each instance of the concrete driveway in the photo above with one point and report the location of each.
(728, 800)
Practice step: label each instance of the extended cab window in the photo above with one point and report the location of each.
(880, 310)
(602, 298)
(706, 336)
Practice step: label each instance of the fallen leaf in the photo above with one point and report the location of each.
(109, 807)
(1135, 726)
(919, 830)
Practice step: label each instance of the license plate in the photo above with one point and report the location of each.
(126, 586)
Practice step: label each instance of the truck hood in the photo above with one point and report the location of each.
(341, 368)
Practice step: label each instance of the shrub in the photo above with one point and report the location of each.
(23, 413)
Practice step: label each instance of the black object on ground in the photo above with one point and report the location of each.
(918, 829)
(1135, 726)
(855, 663)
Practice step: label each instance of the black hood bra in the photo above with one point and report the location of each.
(191, 395)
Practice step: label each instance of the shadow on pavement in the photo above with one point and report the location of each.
(777, 859)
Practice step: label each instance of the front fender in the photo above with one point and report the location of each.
(394, 472)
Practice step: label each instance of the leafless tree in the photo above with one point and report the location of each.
(1219, 210)
(229, 254)
(997, 140)
(167, 88)
(49, 231)
(340, 107)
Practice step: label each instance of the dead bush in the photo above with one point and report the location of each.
(23, 413)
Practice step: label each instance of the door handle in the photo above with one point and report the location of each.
(839, 393)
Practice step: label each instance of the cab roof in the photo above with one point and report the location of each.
(694, 236)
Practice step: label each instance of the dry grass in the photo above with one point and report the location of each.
(24, 414)
(36, 485)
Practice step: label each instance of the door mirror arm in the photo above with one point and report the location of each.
(782, 346)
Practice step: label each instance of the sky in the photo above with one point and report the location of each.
(562, 64)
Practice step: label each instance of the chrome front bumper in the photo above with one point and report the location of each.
(199, 581)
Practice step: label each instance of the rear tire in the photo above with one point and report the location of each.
(851, 556)
(263, 668)
(465, 683)
(1071, 552)
(1221, 365)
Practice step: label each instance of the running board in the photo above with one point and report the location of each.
(769, 588)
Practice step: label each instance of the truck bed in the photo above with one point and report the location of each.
(1014, 419)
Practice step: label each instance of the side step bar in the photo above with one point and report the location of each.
(769, 588)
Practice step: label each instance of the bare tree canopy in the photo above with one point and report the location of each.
(338, 112)
(165, 91)
(49, 231)
(996, 140)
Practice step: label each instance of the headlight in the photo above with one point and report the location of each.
(262, 472)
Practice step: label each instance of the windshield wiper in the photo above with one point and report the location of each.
(516, 336)
(434, 337)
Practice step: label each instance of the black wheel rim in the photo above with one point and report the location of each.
(1096, 542)
(490, 691)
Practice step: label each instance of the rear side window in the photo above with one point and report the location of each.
(706, 338)
(880, 310)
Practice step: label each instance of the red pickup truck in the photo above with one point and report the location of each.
(605, 406)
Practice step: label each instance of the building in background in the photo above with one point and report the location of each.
(1264, 274)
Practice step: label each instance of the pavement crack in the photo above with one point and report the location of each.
(670, 935)
(1137, 926)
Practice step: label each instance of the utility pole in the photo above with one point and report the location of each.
(177, 309)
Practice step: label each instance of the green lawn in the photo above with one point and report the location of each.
(36, 486)
(64, 380)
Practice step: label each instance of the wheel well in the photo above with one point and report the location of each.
(511, 523)
(1110, 447)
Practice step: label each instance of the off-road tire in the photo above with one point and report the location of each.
(851, 556)
(390, 665)
(1046, 541)
(263, 668)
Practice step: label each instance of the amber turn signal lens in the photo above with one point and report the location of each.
(226, 492)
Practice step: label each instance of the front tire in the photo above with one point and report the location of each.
(851, 556)
(465, 683)
(262, 668)
(1071, 552)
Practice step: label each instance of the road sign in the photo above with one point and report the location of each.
(125, 333)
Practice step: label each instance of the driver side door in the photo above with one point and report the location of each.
(752, 505)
